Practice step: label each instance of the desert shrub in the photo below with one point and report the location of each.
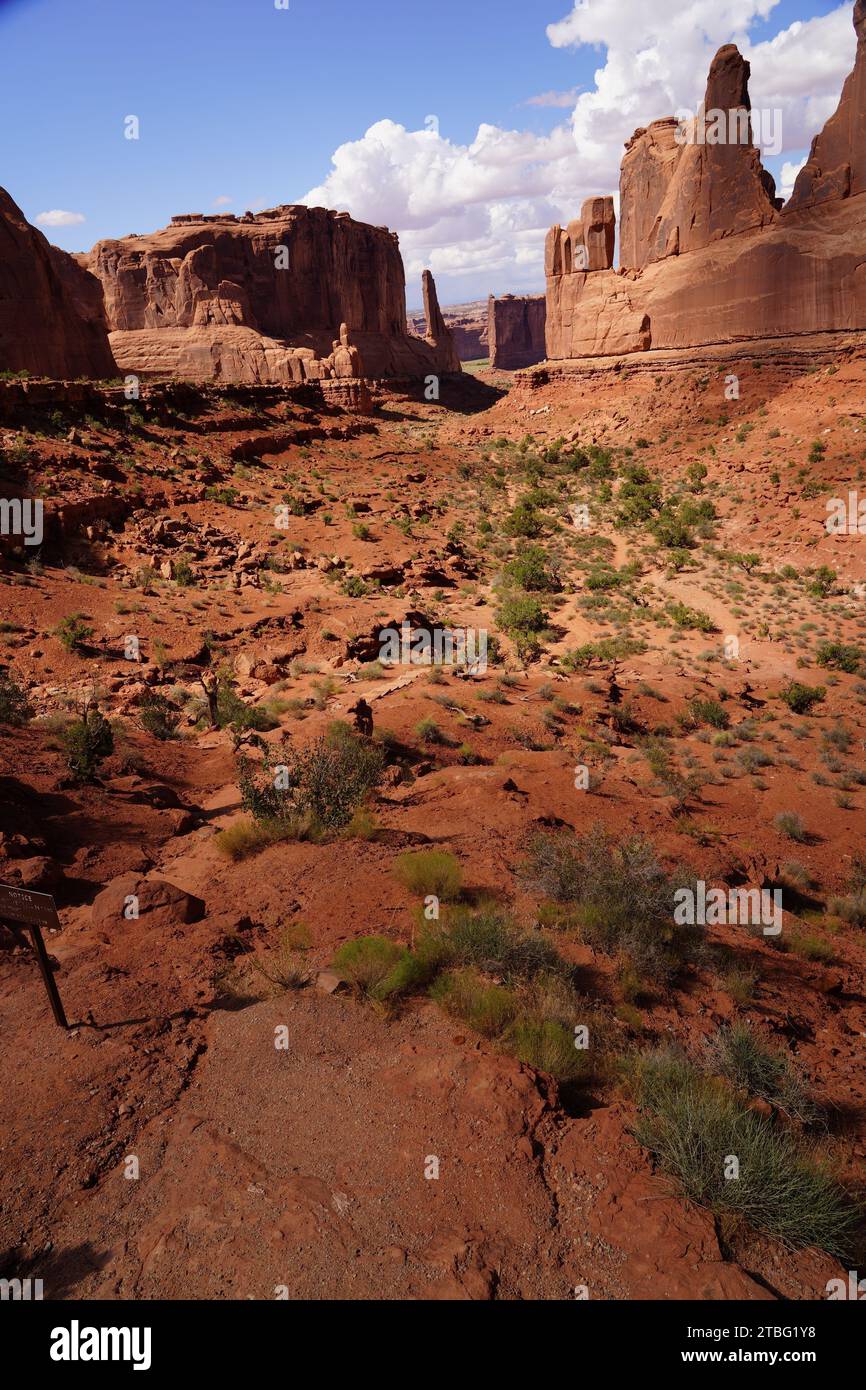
(692, 1123)
(430, 871)
(625, 895)
(367, 962)
(823, 581)
(521, 615)
(250, 836)
(285, 966)
(15, 708)
(605, 650)
(87, 741)
(158, 717)
(490, 939)
(73, 632)
(800, 698)
(547, 1044)
(524, 521)
(325, 782)
(851, 908)
(709, 712)
(839, 657)
(466, 995)
(531, 570)
(428, 731)
(691, 619)
(740, 1056)
(789, 823)
(231, 712)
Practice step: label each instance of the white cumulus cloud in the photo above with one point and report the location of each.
(477, 213)
(57, 217)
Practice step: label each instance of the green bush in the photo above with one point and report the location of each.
(88, 740)
(73, 631)
(366, 962)
(490, 939)
(800, 698)
(839, 657)
(547, 1044)
(625, 896)
(326, 781)
(693, 1125)
(524, 521)
(15, 708)
(466, 995)
(158, 716)
(709, 712)
(740, 1056)
(691, 619)
(430, 871)
(531, 570)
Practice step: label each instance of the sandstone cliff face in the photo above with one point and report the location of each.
(52, 319)
(647, 169)
(707, 256)
(836, 167)
(262, 298)
(516, 331)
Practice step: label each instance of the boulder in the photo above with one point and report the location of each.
(160, 905)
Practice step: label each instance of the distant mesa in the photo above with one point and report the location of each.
(708, 253)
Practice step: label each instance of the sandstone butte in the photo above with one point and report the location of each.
(289, 295)
(708, 253)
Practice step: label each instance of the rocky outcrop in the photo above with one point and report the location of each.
(438, 333)
(836, 167)
(585, 244)
(516, 331)
(716, 187)
(707, 254)
(52, 318)
(263, 297)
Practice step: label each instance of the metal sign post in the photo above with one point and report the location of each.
(35, 910)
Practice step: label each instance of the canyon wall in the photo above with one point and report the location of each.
(516, 331)
(52, 318)
(708, 254)
(271, 296)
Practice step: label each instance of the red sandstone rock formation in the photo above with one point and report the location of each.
(262, 298)
(516, 331)
(438, 334)
(715, 189)
(836, 167)
(586, 244)
(52, 319)
(706, 255)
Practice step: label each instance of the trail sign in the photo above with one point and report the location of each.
(19, 907)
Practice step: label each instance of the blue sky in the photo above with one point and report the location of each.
(246, 103)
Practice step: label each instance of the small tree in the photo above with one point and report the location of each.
(88, 740)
